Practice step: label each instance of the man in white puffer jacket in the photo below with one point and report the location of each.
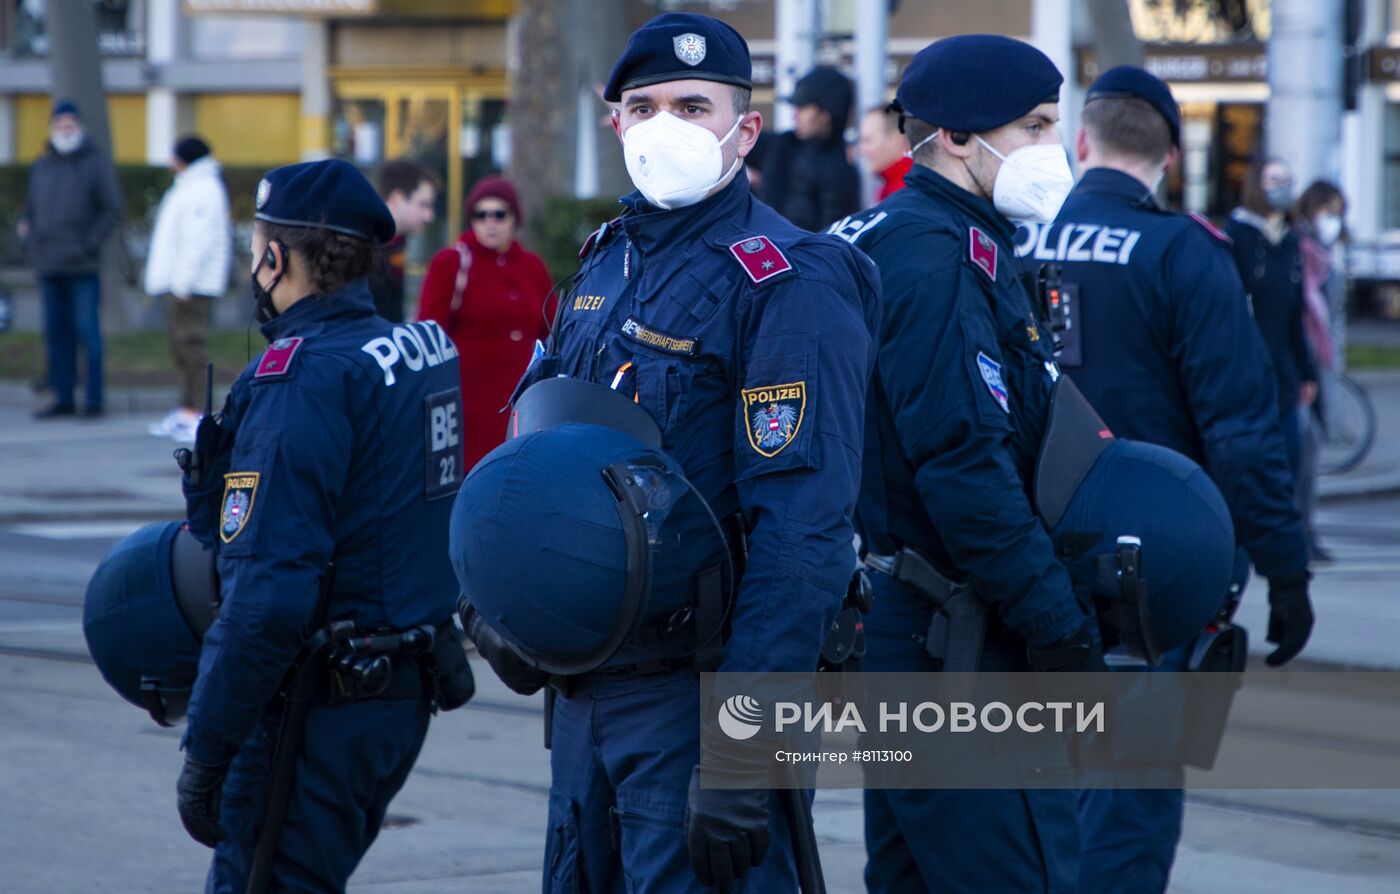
(187, 267)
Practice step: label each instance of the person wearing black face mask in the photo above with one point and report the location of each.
(314, 461)
(1271, 266)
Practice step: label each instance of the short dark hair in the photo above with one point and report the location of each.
(402, 176)
(335, 259)
(1126, 125)
(742, 97)
(916, 132)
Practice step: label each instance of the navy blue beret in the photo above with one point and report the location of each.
(1131, 82)
(64, 107)
(678, 46)
(330, 195)
(974, 83)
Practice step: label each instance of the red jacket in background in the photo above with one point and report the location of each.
(892, 178)
(501, 312)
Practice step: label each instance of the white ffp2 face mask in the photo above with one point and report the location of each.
(1328, 228)
(674, 163)
(1033, 181)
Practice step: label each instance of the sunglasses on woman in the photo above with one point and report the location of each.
(497, 215)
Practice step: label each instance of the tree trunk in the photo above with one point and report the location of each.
(542, 103)
(1114, 40)
(563, 49)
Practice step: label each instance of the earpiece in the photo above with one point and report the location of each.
(959, 139)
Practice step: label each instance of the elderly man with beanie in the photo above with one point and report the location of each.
(808, 177)
(744, 345)
(1163, 344)
(186, 269)
(491, 296)
(72, 206)
(958, 409)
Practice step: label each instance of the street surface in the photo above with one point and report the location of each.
(87, 781)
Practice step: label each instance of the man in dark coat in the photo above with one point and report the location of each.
(807, 177)
(72, 207)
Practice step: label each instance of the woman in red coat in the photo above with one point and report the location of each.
(490, 295)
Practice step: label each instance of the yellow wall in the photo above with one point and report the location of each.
(127, 114)
(250, 129)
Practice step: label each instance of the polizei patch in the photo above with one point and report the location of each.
(239, 490)
(774, 414)
(991, 374)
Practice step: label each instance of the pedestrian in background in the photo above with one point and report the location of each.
(808, 178)
(489, 293)
(186, 269)
(1319, 214)
(885, 149)
(1271, 266)
(72, 206)
(410, 193)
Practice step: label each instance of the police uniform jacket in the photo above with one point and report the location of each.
(749, 341)
(341, 441)
(1166, 351)
(958, 403)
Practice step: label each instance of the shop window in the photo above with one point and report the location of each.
(121, 26)
(244, 37)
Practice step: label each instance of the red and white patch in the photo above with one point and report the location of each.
(1211, 228)
(277, 359)
(982, 251)
(760, 258)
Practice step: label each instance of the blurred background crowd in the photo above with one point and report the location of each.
(133, 134)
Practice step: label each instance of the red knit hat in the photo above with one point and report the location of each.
(493, 187)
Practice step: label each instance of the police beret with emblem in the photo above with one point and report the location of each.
(678, 46)
(973, 83)
(1131, 82)
(330, 195)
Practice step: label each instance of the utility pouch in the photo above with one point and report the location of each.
(1221, 649)
(453, 682)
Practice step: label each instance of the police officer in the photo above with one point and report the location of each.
(956, 412)
(1161, 342)
(339, 445)
(748, 342)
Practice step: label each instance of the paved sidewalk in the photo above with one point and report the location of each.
(107, 476)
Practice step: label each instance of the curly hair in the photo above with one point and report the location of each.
(334, 259)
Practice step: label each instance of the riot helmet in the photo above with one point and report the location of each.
(1149, 536)
(147, 607)
(577, 542)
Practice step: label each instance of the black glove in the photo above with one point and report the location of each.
(1078, 651)
(197, 794)
(1290, 616)
(509, 666)
(726, 832)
